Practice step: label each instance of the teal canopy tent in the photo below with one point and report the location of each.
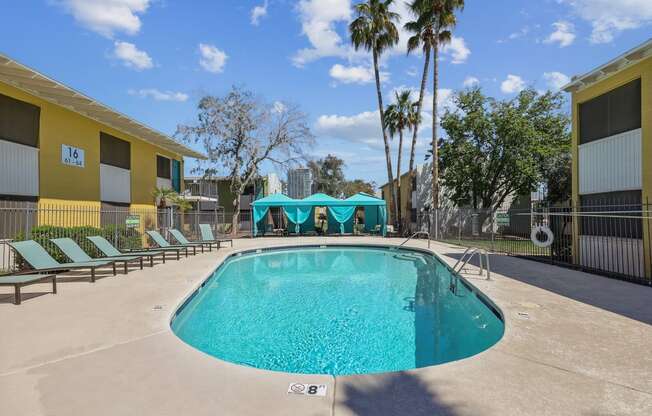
(298, 215)
(375, 210)
(262, 206)
(300, 212)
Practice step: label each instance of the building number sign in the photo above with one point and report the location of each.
(72, 156)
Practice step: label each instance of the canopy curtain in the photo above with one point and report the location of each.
(382, 219)
(342, 215)
(298, 215)
(259, 215)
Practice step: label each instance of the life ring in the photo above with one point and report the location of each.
(542, 229)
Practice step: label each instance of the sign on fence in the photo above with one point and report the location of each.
(502, 219)
(72, 156)
(132, 221)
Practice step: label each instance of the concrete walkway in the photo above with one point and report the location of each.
(575, 344)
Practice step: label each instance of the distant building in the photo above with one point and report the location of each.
(273, 184)
(299, 183)
(214, 194)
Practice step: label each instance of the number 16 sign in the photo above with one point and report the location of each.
(72, 156)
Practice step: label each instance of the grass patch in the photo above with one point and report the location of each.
(509, 246)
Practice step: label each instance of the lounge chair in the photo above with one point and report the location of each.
(75, 253)
(207, 235)
(37, 257)
(109, 250)
(181, 239)
(164, 244)
(20, 280)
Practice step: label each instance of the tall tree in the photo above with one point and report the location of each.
(239, 133)
(358, 185)
(374, 29)
(497, 149)
(432, 28)
(328, 175)
(398, 117)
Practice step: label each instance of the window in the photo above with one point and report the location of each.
(612, 113)
(114, 151)
(19, 121)
(163, 167)
(606, 206)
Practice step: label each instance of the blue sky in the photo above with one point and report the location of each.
(153, 59)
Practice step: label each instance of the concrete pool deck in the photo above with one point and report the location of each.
(575, 344)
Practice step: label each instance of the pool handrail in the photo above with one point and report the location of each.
(426, 233)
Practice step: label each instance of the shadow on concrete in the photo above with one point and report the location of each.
(396, 394)
(25, 296)
(624, 298)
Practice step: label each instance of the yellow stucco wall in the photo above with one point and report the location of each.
(68, 213)
(406, 196)
(60, 182)
(642, 70)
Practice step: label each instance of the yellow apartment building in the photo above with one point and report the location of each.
(612, 160)
(61, 148)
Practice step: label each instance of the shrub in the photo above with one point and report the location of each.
(126, 238)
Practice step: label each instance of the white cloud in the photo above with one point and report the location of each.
(159, 95)
(564, 34)
(364, 128)
(318, 21)
(470, 82)
(212, 59)
(258, 13)
(521, 33)
(412, 71)
(361, 128)
(512, 84)
(610, 17)
(355, 74)
(131, 56)
(279, 107)
(556, 80)
(458, 50)
(108, 16)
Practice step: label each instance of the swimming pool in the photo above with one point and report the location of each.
(337, 310)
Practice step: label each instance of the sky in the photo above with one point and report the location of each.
(154, 59)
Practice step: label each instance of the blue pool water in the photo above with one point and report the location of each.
(337, 310)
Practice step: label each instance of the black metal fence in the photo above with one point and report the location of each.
(607, 239)
(123, 227)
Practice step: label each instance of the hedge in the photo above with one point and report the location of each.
(127, 238)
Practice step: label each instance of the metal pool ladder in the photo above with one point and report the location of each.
(426, 233)
(468, 255)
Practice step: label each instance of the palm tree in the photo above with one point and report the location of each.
(432, 29)
(374, 30)
(164, 196)
(398, 117)
(167, 196)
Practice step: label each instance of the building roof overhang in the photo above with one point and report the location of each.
(611, 68)
(41, 86)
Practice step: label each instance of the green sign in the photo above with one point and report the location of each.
(132, 221)
(502, 219)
